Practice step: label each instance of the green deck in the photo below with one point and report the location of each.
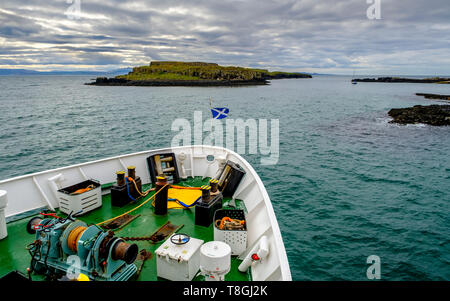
(14, 256)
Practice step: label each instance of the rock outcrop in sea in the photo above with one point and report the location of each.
(434, 96)
(433, 80)
(436, 115)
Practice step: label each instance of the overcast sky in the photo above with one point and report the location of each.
(325, 36)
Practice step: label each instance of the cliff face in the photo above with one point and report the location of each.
(283, 75)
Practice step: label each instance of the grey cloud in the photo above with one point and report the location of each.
(316, 35)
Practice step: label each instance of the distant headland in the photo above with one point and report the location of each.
(166, 73)
(432, 80)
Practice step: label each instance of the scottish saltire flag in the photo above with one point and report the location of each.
(220, 113)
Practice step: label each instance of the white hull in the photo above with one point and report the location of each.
(34, 191)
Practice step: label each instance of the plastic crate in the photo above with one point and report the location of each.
(85, 202)
(236, 239)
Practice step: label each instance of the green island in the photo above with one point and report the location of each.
(167, 73)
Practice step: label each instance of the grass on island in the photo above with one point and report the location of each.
(198, 71)
(440, 80)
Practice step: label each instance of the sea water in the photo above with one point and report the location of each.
(348, 184)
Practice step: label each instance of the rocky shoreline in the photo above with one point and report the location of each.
(434, 80)
(437, 115)
(114, 81)
(104, 81)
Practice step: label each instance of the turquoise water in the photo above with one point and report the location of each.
(348, 184)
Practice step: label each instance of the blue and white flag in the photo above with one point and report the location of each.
(220, 113)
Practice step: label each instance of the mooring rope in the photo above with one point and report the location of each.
(135, 208)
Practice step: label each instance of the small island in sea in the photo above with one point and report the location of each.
(431, 80)
(166, 73)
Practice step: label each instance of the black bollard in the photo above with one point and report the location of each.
(132, 172)
(206, 193)
(214, 183)
(120, 178)
(161, 196)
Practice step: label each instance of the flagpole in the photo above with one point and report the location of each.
(210, 105)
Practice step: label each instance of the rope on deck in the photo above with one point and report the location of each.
(135, 208)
